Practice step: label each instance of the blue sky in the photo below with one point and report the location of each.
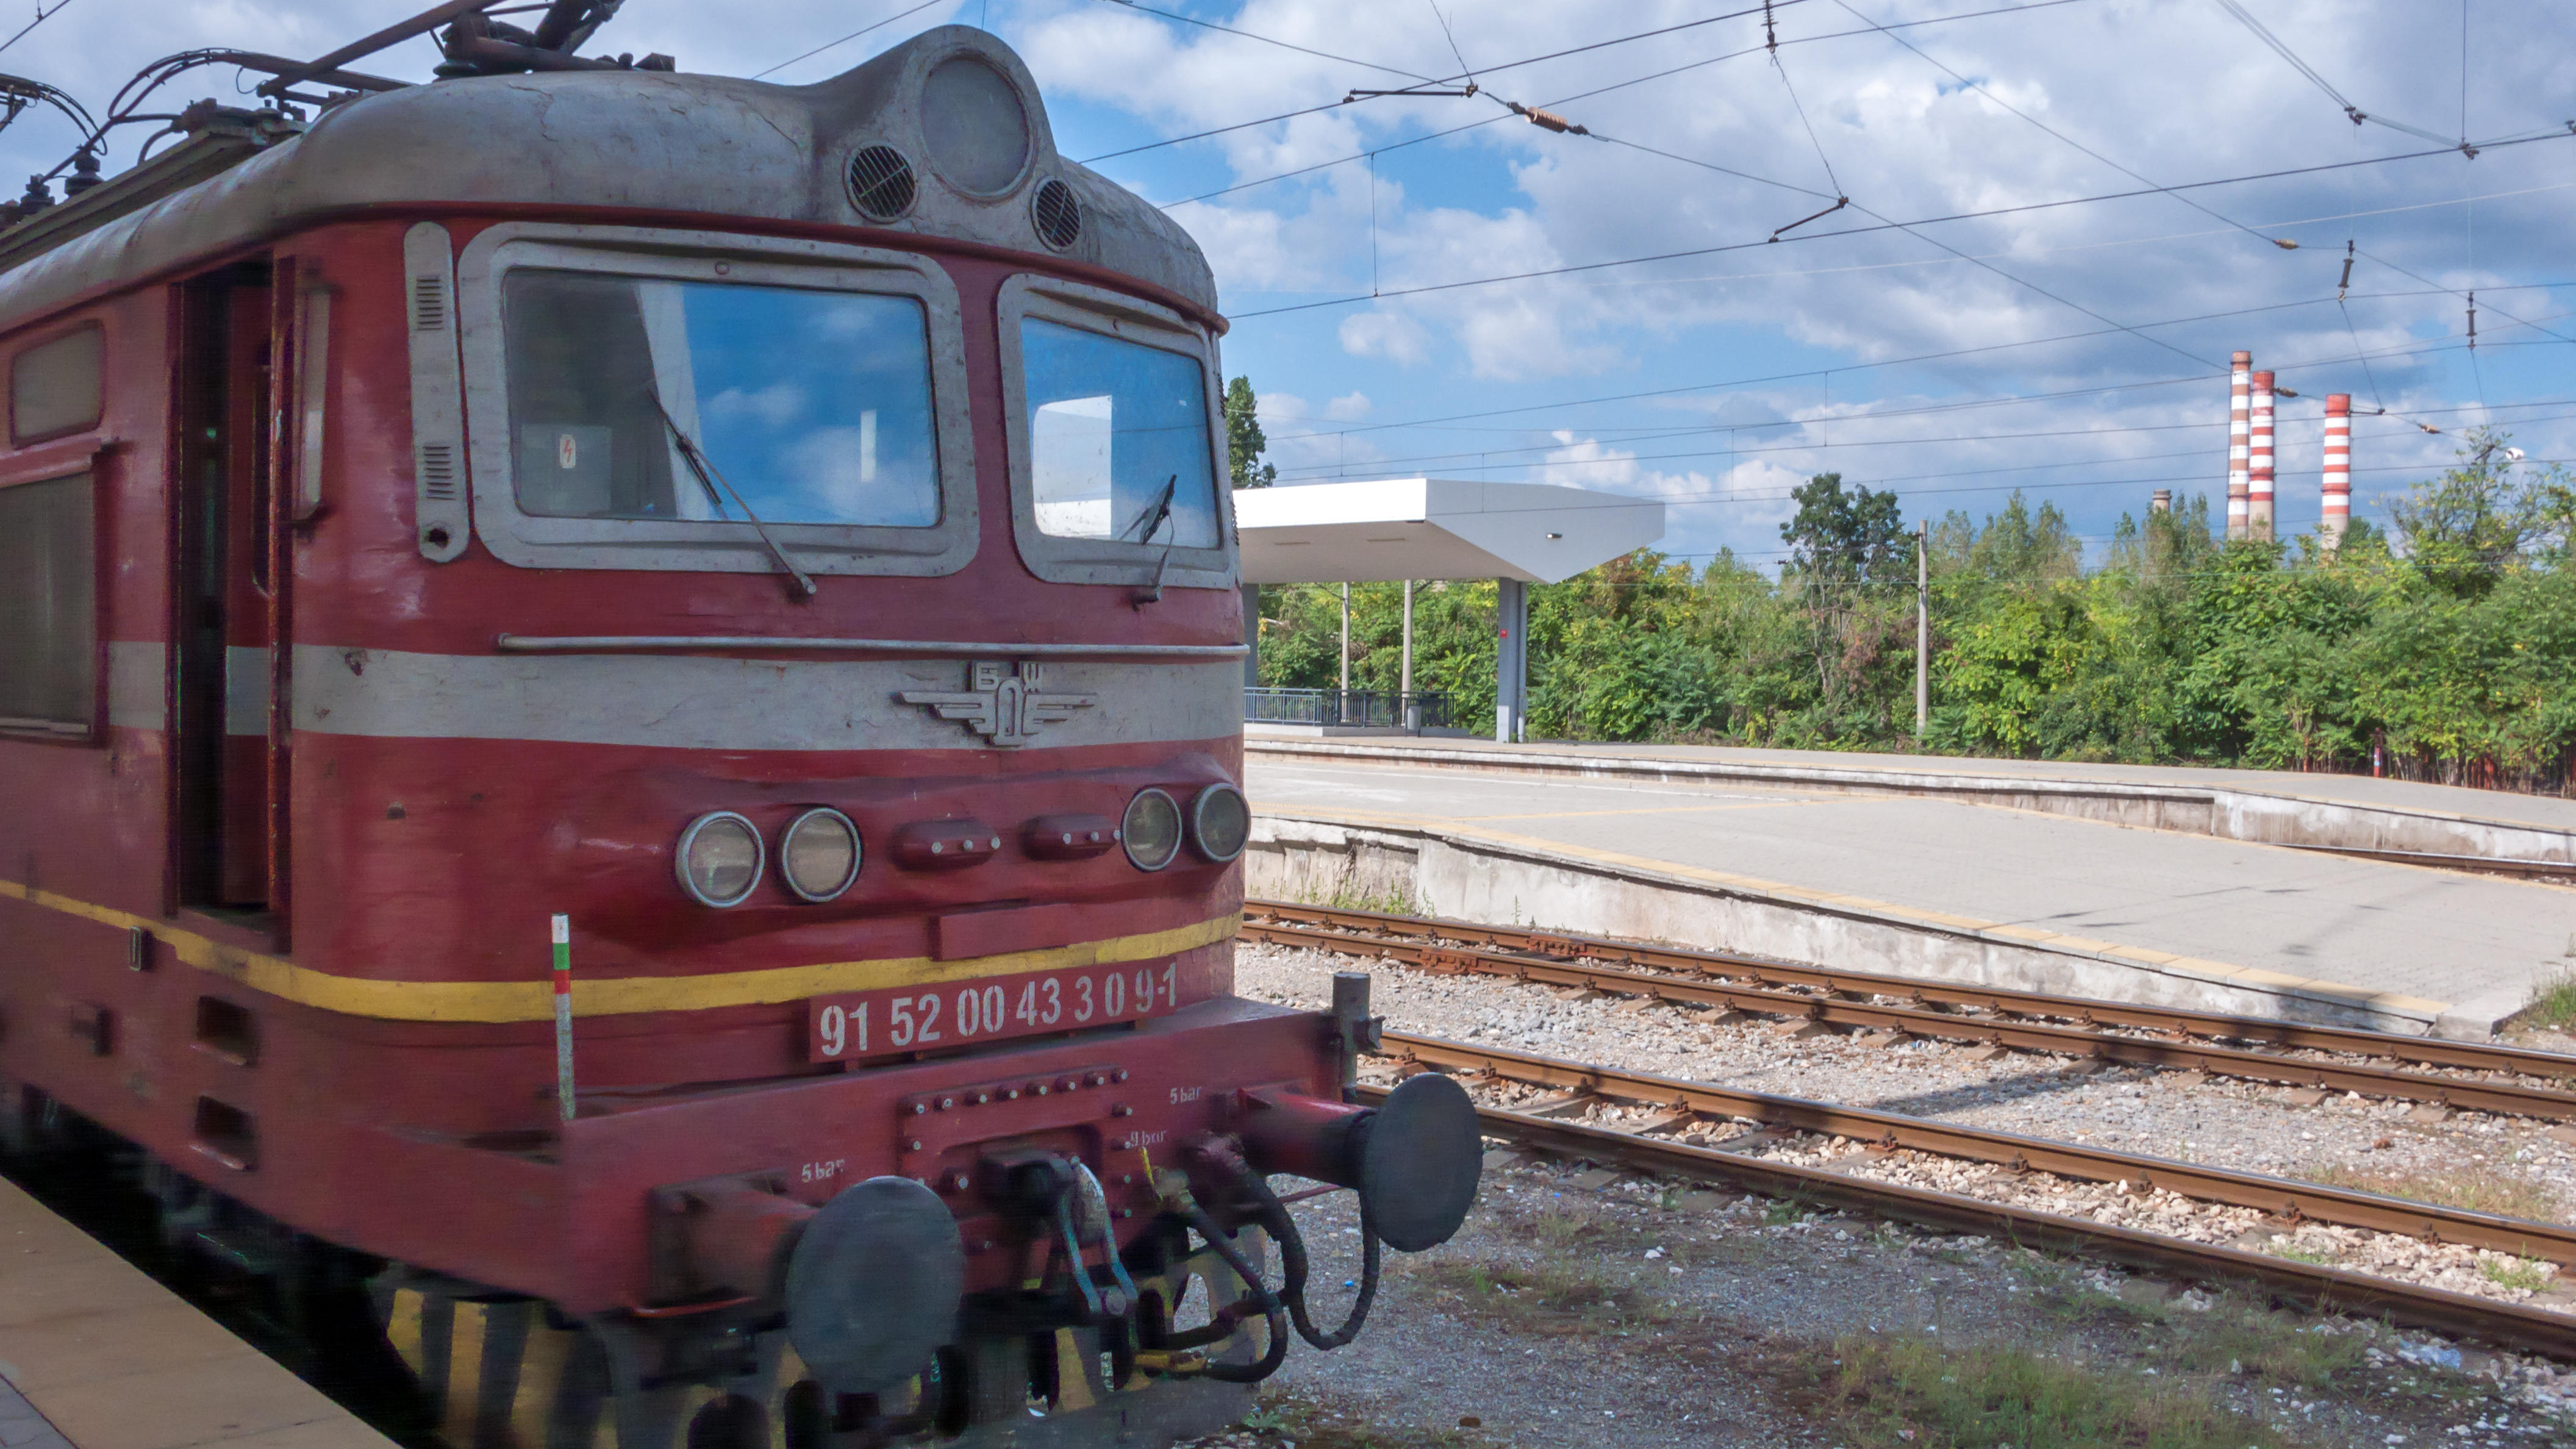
(2060, 357)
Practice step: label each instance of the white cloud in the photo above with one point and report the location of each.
(1395, 336)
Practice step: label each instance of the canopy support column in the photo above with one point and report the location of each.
(1511, 660)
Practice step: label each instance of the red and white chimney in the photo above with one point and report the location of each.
(2258, 513)
(2338, 471)
(2240, 380)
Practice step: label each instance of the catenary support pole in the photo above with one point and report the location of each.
(2240, 383)
(1922, 626)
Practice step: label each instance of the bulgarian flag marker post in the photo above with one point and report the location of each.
(563, 1016)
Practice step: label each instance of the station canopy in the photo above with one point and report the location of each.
(1435, 528)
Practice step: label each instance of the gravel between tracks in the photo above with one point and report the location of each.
(2172, 1114)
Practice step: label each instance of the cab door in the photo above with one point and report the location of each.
(229, 597)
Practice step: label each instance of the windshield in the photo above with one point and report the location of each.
(814, 406)
(1118, 439)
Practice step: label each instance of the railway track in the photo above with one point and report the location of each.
(2312, 1286)
(1945, 1011)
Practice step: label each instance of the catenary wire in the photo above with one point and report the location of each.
(1988, 213)
(831, 44)
(42, 15)
(2356, 113)
(1444, 80)
(2194, 202)
(1647, 78)
(1742, 382)
(1175, 15)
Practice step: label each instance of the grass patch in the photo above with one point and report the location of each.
(1349, 895)
(2529, 1274)
(2059, 1287)
(2553, 999)
(1282, 1418)
(1548, 1298)
(1781, 1212)
(1893, 1392)
(2301, 1253)
(2474, 1188)
(2237, 1334)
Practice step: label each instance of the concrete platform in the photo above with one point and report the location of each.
(2272, 806)
(96, 1355)
(2127, 884)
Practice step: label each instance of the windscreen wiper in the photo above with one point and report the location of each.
(802, 587)
(1152, 517)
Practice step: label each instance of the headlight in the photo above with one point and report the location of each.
(719, 859)
(819, 855)
(1152, 830)
(1220, 822)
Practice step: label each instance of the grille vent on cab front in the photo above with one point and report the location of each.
(1057, 214)
(881, 183)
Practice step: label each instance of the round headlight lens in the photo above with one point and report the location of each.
(819, 855)
(719, 859)
(1220, 822)
(1152, 830)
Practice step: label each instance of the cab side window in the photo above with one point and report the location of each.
(54, 386)
(48, 607)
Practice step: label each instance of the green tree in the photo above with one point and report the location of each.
(1846, 538)
(1845, 551)
(2483, 516)
(1244, 442)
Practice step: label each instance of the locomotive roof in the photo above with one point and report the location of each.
(650, 140)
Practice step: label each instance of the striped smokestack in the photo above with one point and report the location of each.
(2338, 481)
(2258, 495)
(2240, 380)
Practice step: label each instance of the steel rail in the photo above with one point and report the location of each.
(2282, 1197)
(2315, 1287)
(2485, 1096)
(2561, 871)
(2425, 1051)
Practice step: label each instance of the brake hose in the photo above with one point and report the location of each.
(1293, 1265)
(1277, 1354)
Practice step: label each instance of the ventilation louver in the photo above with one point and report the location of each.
(881, 183)
(1057, 214)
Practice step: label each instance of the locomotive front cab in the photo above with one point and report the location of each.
(834, 626)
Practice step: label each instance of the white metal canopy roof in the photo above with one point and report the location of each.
(1435, 528)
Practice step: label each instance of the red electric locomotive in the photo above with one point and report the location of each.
(744, 562)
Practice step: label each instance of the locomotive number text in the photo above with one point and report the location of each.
(905, 1019)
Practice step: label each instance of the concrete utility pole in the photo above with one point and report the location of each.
(1404, 670)
(1346, 646)
(1922, 626)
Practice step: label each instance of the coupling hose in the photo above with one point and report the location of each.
(1294, 1268)
(1264, 1299)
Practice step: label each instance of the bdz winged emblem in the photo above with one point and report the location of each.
(1006, 708)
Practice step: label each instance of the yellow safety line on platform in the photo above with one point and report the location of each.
(533, 1000)
(2219, 971)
